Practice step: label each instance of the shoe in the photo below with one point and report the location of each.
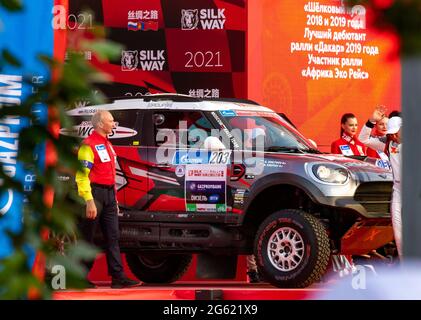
(253, 277)
(118, 283)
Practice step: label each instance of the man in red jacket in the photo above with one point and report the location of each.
(96, 185)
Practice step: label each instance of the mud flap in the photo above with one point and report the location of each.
(216, 266)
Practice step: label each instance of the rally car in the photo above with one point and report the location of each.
(224, 177)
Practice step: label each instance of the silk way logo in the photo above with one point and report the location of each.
(189, 19)
(85, 129)
(129, 60)
(146, 60)
(207, 19)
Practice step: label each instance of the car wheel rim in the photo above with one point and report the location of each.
(285, 249)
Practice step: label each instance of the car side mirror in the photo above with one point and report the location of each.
(213, 143)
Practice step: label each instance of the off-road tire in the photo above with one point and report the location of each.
(313, 248)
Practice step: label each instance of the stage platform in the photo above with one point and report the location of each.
(217, 290)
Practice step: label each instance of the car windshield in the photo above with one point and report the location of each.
(276, 134)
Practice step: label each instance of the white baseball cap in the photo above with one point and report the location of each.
(394, 124)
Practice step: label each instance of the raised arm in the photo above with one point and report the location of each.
(376, 143)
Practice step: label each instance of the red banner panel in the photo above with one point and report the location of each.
(316, 60)
(195, 47)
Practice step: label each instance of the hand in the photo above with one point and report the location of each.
(378, 114)
(91, 211)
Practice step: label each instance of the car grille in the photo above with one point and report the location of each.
(375, 197)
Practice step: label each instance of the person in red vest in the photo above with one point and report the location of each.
(96, 185)
(348, 143)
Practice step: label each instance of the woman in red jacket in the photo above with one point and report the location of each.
(348, 143)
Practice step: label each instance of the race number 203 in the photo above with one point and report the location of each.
(220, 157)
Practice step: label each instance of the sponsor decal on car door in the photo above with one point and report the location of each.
(205, 188)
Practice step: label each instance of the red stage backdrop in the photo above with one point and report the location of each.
(315, 61)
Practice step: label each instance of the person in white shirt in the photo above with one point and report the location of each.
(393, 149)
(373, 135)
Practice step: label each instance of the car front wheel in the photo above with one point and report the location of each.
(292, 249)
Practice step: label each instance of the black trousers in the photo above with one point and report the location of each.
(107, 218)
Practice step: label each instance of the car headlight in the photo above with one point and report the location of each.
(330, 173)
